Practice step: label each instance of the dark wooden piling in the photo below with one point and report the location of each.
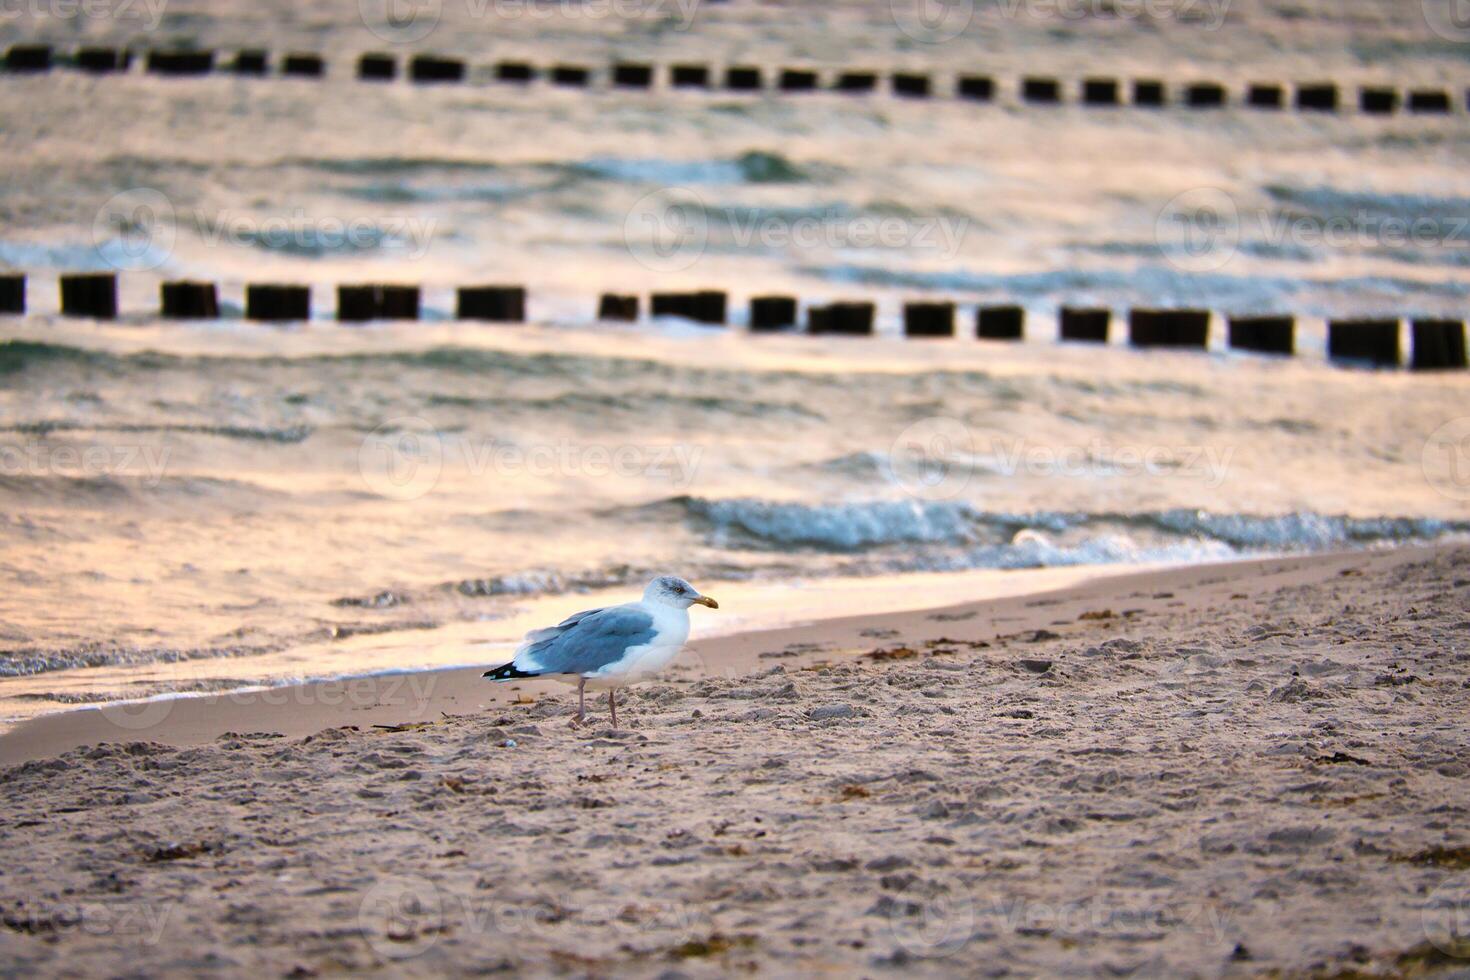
(1429, 101)
(1148, 93)
(179, 63)
(772, 313)
(1317, 97)
(910, 85)
(432, 70)
(1369, 342)
(625, 75)
(849, 318)
(303, 65)
(615, 306)
(1265, 95)
(977, 88)
(252, 62)
(102, 61)
(797, 80)
(497, 304)
(706, 306)
(1100, 91)
(271, 302)
(356, 304)
(89, 295)
(1204, 95)
(1263, 334)
(1439, 345)
(1041, 91)
(1000, 323)
(12, 294)
(743, 79)
(571, 76)
(689, 76)
(1169, 328)
(28, 58)
(1378, 101)
(377, 67)
(928, 319)
(188, 301)
(515, 72)
(1084, 325)
(855, 82)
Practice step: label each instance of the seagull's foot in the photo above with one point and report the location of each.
(578, 720)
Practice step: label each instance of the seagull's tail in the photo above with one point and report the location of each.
(509, 672)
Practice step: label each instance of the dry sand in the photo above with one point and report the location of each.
(1230, 770)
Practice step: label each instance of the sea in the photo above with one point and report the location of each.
(193, 506)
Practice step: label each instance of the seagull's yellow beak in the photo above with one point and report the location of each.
(705, 600)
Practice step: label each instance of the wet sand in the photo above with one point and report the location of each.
(1222, 770)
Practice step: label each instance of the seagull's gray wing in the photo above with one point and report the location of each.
(586, 642)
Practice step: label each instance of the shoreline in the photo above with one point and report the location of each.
(391, 698)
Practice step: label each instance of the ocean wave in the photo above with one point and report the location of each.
(288, 435)
(852, 527)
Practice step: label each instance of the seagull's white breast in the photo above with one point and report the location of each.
(670, 631)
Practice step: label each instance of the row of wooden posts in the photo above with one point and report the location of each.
(432, 69)
(1435, 343)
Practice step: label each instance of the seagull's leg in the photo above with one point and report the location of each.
(612, 705)
(581, 702)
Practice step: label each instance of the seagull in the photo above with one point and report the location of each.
(610, 647)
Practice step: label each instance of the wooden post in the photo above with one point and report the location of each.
(910, 85)
(1373, 343)
(102, 61)
(1265, 95)
(188, 301)
(689, 76)
(772, 313)
(614, 306)
(1087, 326)
(496, 304)
(427, 69)
(303, 65)
(12, 294)
(979, 88)
(377, 67)
(1100, 91)
(89, 295)
(632, 76)
(928, 319)
(1169, 328)
(743, 79)
(1042, 91)
(1148, 93)
(1438, 345)
(1000, 323)
(854, 319)
(180, 62)
(277, 303)
(1263, 334)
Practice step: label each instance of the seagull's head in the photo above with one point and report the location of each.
(671, 590)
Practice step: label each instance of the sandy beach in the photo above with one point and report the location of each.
(1257, 768)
